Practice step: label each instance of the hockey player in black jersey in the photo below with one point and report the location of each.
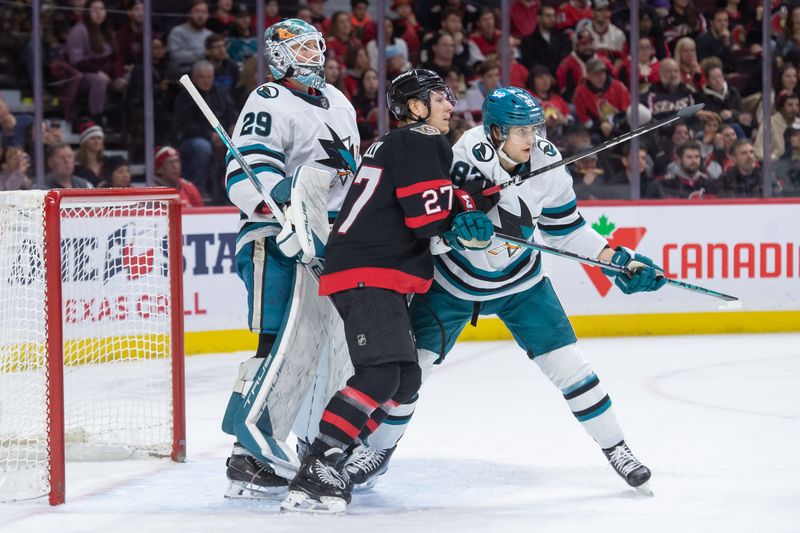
(377, 254)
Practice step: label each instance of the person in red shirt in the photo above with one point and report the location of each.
(340, 35)
(407, 27)
(523, 17)
(363, 25)
(598, 98)
(485, 40)
(572, 68)
(168, 174)
(571, 12)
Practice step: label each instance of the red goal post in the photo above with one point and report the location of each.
(91, 332)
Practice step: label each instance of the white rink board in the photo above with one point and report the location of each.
(671, 234)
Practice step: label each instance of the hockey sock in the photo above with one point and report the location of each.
(584, 393)
(348, 411)
(376, 419)
(344, 417)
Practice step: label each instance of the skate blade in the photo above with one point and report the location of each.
(367, 485)
(645, 489)
(300, 502)
(238, 490)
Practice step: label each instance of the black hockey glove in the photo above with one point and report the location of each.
(475, 190)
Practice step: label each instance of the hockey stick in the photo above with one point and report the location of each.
(686, 112)
(315, 266)
(226, 140)
(732, 301)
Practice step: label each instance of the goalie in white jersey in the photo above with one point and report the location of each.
(507, 280)
(295, 121)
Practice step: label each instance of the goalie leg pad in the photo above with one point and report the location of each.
(244, 380)
(586, 397)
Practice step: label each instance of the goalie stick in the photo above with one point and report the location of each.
(732, 301)
(315, 266)
(686, 112)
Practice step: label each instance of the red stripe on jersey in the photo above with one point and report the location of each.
(360, 397)
(372, 425)
(424, 220)
(336, 420)
(382, 278)
(422, 186)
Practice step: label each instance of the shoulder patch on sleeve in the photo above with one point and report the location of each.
(426, 129)
(483, 152)
(546, 147)
(267, 91)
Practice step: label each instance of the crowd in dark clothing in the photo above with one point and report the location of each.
(573, 56)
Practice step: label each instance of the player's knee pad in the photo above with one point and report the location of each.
(410, 382)
(244, 380)
(565, 366)
(379, 382)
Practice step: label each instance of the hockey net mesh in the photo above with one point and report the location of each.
(116, 335)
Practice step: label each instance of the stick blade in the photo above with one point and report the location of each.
(690, 111)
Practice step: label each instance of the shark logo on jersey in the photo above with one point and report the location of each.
(341, 155)
(267, 91)
(483, 152)
(546, 147)
(515, 225)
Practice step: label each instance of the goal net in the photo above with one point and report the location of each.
(91, 362)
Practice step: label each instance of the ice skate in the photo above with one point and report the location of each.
(629, 467)
(366, 464)
(321, 485)
(251, 479)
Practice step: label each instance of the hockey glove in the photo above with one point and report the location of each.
(471, 230)
(288, 242)
(645, 274)
(282, 192)
(475, 190)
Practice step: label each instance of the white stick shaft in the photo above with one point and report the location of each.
(226, 140)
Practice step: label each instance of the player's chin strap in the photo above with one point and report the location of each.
(503, 155)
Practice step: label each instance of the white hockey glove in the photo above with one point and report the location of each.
(288, 242)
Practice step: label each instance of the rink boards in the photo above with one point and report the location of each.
(750, 249)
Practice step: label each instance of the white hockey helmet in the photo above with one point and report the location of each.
(295, 49)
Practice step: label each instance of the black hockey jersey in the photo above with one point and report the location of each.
(401, 196)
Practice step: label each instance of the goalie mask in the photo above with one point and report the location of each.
(295, 49)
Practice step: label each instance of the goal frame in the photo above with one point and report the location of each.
(54, 313)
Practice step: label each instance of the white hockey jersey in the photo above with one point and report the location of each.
(546, 201)
(280, 129)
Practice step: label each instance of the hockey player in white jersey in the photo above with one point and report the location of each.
(295, 120)
(507, 281)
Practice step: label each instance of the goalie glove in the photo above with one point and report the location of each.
(645, 274)
(471, 230)
(288, 242)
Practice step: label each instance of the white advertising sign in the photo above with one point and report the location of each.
(747, 249)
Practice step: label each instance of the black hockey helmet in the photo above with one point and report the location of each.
(415, 83)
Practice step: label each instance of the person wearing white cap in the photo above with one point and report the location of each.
(89, 157)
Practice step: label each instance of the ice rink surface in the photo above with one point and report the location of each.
(493, 448)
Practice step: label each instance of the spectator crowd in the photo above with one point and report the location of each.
(573, 56)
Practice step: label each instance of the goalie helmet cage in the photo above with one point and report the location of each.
(91, 333)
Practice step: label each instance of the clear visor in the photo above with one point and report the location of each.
(307, 49)
(442, 95)
(528, 132)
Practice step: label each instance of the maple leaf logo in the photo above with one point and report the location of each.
(628, 237)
